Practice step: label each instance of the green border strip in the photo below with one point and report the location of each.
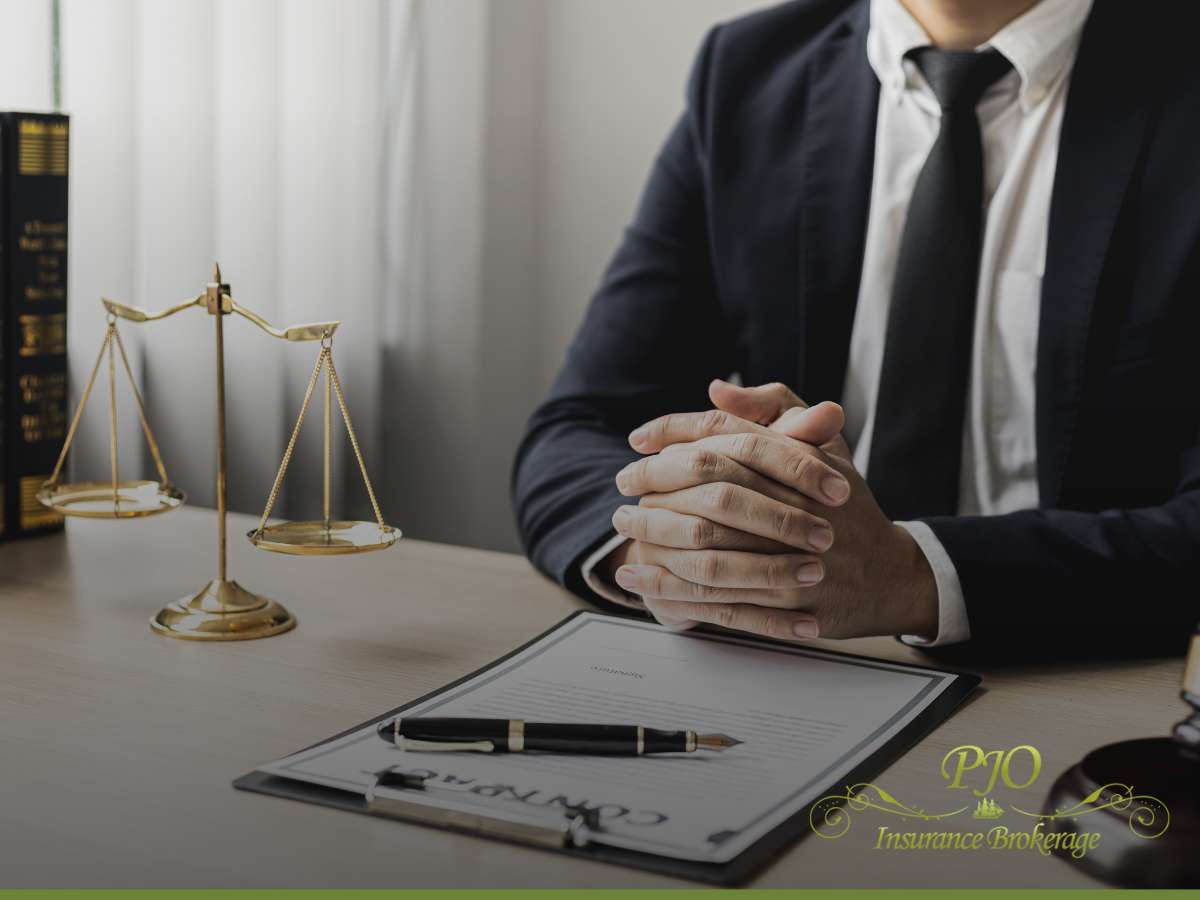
(583, 894)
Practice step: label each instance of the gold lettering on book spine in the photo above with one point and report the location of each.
(42, 147)
(43, 335)
(44, 398)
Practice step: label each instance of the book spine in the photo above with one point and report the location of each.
(34, 153)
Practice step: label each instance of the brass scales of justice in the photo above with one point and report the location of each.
(222, 610)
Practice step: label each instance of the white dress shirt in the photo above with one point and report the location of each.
(1020, 118)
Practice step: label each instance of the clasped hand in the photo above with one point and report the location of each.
(752, 517)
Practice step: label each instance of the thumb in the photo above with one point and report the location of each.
(820, 425)
(763, 404)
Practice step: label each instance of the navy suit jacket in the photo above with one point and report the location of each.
(745, 255)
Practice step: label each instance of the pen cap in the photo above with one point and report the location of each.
(441, 730)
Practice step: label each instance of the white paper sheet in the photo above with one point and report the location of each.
(807, 718)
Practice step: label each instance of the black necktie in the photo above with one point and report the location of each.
(916, 444)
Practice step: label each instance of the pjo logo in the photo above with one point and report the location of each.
(1017, 767)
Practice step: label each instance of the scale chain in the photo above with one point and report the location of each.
(337, 387)
(87, 392)
(287, 454)
(141, 408)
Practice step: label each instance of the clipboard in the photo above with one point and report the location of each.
(738, 871)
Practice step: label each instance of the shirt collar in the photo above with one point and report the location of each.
(1040, 44)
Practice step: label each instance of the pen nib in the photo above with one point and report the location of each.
(715, 741)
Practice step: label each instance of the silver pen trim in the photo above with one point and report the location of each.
(417, 746)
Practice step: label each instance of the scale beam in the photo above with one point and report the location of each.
(313, 331)
(137, 314)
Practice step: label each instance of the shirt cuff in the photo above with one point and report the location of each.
(953, 627)
(592, 579)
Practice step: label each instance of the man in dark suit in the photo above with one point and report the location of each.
(969, 233)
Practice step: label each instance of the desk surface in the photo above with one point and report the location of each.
(137, 792)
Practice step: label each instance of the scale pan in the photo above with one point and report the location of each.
(94, 499)
(324, 538)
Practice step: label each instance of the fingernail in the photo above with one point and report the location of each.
(809, 573)
(620, 519)
(638, 437)
(835, 488)
(805, 628)
(820, 538)
(623, 480)
(629, 577)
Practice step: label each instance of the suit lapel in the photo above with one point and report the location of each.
(1102, 131)
(838, 154)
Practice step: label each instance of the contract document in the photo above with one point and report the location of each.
(807, 719)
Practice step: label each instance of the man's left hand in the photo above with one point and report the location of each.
(873, 580)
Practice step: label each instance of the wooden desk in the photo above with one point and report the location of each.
(117, 747)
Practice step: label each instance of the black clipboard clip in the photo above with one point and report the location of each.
(385, 797)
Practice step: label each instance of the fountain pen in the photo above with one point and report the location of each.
(517, 736)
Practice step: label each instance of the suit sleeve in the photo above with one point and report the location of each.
(651, 341)
(1058, 584)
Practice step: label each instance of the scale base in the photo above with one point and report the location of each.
(223, 611)
(1132, 857)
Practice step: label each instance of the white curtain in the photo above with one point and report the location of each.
(448, 177)
(330, 154)
(247, 133)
